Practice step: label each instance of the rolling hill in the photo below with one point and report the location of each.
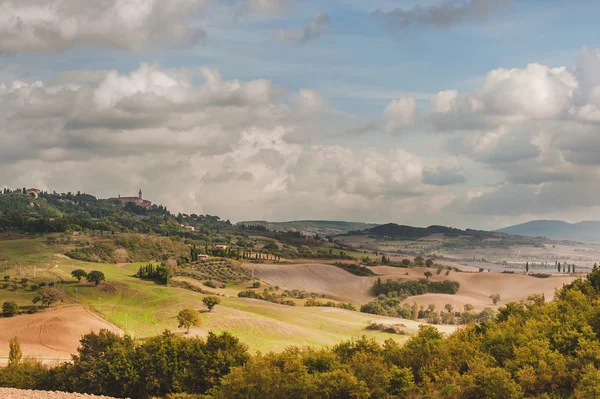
(312, 227)
(586, 230)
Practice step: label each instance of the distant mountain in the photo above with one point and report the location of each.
(312, 227)
(587, 230)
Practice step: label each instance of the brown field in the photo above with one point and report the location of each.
(50, 335)
(475, 288)
(318, 278)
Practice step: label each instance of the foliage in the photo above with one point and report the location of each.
(48, 295)
(532, 348)
(15, 355)
(9, 309)
(131, 248)
(267, 296)
(210, 302)
(95, 276)
(79, 274)
(162, 273)
(222, 270)
(188, 318)
(404, 289)
(329, 304)
(495, 298)
(355, 269)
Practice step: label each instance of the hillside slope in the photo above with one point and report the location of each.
(311, 227)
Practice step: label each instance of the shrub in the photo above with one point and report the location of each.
(9, 309)
(210, 283)
(256, 284)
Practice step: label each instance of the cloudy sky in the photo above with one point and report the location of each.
(470, 113)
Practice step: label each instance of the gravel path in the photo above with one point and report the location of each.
(10, 393)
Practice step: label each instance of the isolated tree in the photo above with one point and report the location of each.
(95, 277)
(48, 295)
(419, 261)
(79, 274)
(438, 271)
(526, 267)
(188, 318)
(468, 307)
(24, 282)
(415, 310)
(405, 262)
(15, 355)
(429, 263)
(428, 274)
(495, 298)
(210, 302)
(573, 267)
(559, 267)
(448, 308)
(9, 309)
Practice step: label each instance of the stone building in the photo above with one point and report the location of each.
(139, 200)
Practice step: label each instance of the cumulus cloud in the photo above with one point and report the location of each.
(507, 96)
(399, 113)
(535, 128)
(128, 25)
(443, 15)
(311, 31)
(209, 145)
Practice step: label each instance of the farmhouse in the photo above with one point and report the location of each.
(221, 246)
(139, 201)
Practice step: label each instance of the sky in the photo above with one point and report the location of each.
(467, 113)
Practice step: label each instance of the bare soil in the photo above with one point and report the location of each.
(52, 335)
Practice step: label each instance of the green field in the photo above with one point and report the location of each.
(144, 308)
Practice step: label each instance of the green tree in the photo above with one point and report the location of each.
(95, 276)
(428, 274)
(49, 295)
(210, 302)
(405, 262)
(526, 267)
(429, 263)
(188, 318)
(15, 355)
(419, 261)
(415, 310)
(9, 309)
(79, 274)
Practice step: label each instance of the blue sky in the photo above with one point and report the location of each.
(350, 96)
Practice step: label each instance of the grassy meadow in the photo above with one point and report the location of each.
(144, 308)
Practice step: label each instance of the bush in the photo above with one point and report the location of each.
(210, 283)
(404, 289)
(256, 284)
(9, 309)
(355, 269)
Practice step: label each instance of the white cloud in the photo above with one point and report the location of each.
(227, 147)
(128, 25)
(399, 113)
